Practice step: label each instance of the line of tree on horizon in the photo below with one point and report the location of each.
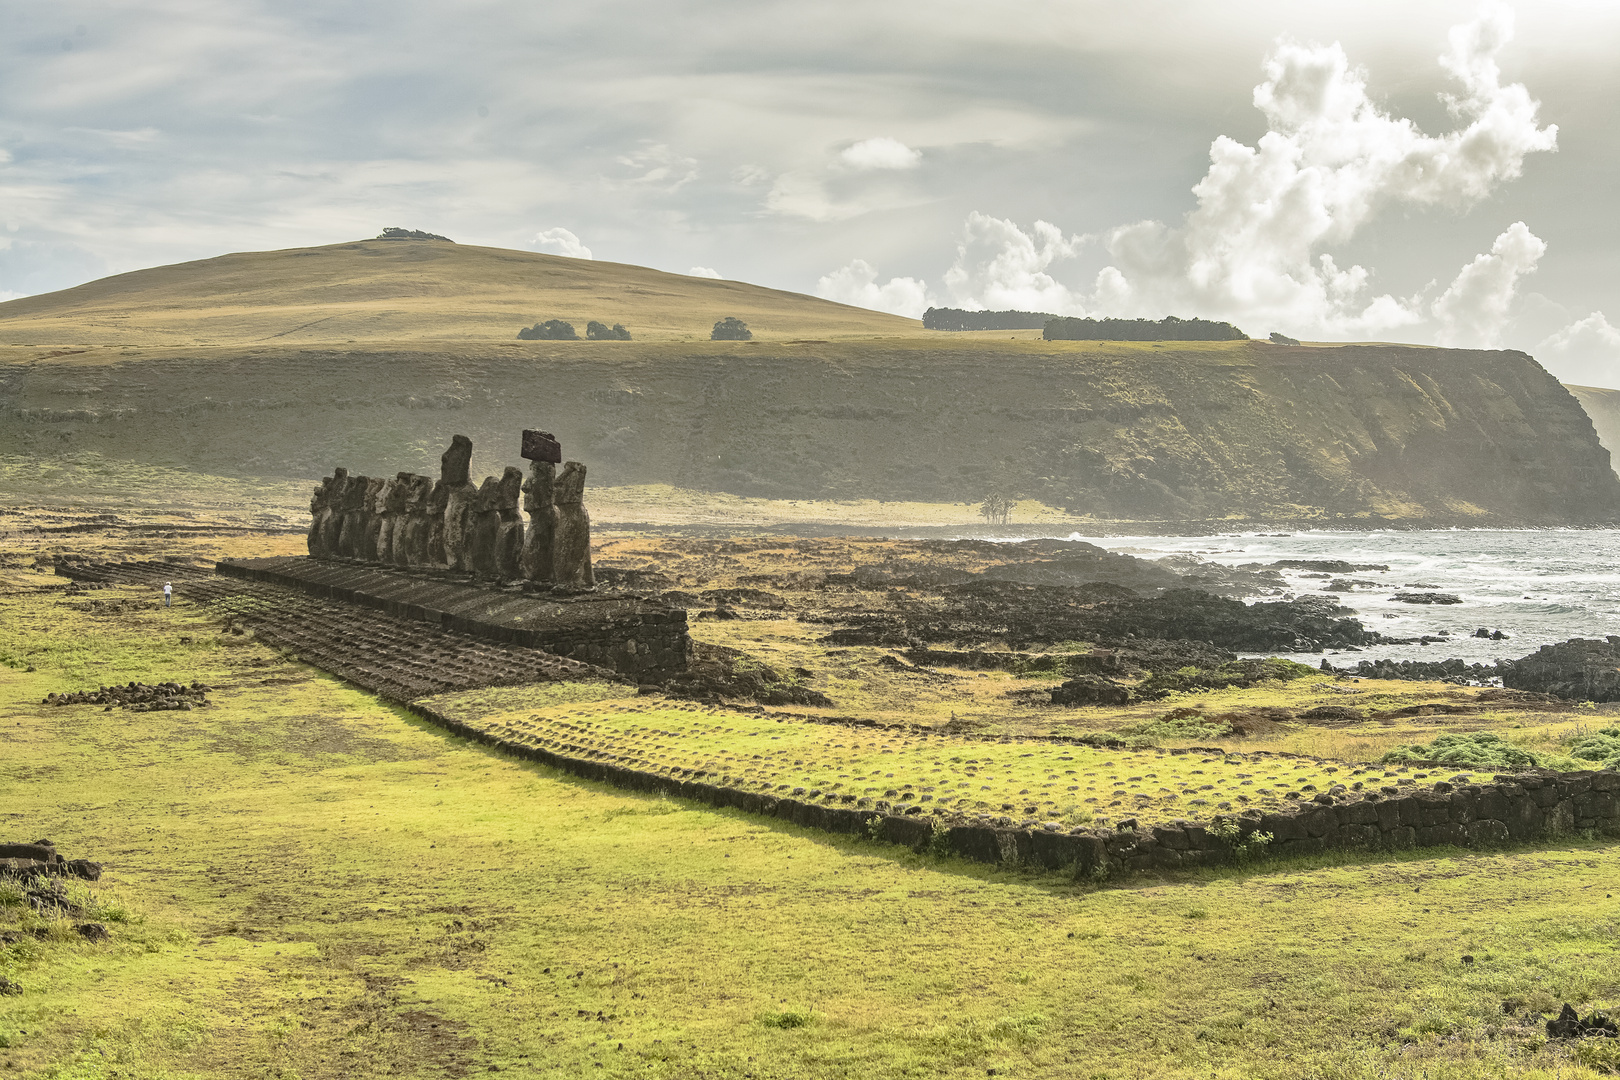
(1168, 328)
(558, 330)
(947, 318)
(1063, 328)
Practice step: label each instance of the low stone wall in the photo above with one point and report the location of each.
(1519, 807)
(629, 634)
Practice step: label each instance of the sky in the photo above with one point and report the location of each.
(1441, 173)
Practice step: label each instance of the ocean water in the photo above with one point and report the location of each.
(1536, 586)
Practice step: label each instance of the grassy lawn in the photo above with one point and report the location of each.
(312, 884)
(900, 769)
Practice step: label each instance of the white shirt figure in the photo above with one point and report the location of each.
(168, 593)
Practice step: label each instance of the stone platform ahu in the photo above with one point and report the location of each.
(413, 521)
(459, 556)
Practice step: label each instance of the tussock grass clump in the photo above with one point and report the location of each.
(1600, 749)
(1480, 749)
(1181, 724)
(1236, 673)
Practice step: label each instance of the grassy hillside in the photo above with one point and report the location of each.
(411, 290)
(1172, 431)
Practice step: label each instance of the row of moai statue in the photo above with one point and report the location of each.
(451, 524)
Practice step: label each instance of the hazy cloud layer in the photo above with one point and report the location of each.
(914, 145)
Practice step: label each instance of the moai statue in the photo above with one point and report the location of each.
(543, 452)
(509, 533)
(424, 517)
(354, 508)
(319, 505)
(437, 498)
(571, 549)
(390, 505)
(332, 524)
(411, 521)
(459, 495)
(371, 520)
(483, 529)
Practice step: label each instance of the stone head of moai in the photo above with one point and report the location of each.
(456, 462)
(399, 492)
(570, 486)
(354, 493)
(376, 493)
(436, 495)
(410, 492)
(509, 489)
(488, 494)
(331, 489)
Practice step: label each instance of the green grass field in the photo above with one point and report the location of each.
(308, 883)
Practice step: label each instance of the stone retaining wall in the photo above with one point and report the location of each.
(629, 634)
(1513, 808)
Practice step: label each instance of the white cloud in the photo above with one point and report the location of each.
(1330, 161)
(999, 266)
(1586, 352)
(857, 284)
(1474, 309)
(560, 241)
(882, 152)
(703, 271)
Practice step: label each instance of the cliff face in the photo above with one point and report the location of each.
(1124, 431)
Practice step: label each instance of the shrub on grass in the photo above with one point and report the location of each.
(1181, 724)
(597, 331)
(1601, 748)
(1244, 848)
(1480, 749)
(1239, 673)
(786, 1020)
(550, 330)
(731, 328)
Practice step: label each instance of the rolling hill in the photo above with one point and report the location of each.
(412, 291)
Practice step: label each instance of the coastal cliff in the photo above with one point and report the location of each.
(1248, 431)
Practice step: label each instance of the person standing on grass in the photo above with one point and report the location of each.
(168, 593)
